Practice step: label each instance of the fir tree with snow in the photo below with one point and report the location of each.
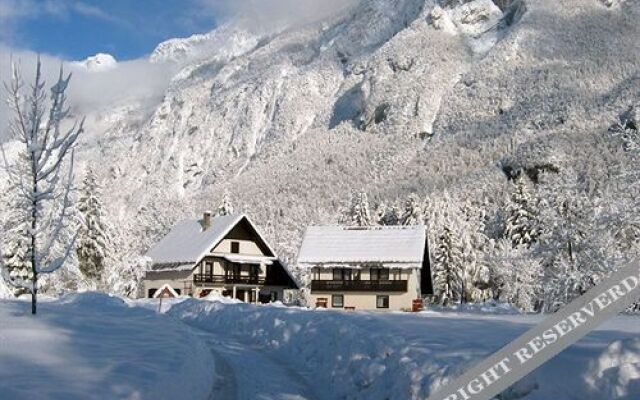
(93, 238)
(359, 213)
(412, 213)
(16, 261)
(448, 268)
(387, 215)
(522, 227)
(226, 207)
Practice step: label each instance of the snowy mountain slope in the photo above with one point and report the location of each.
(218, 115)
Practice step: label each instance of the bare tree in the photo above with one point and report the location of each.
(42, 188)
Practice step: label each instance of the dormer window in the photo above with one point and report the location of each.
(235, 247)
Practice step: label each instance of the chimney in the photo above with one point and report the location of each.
(206, 220)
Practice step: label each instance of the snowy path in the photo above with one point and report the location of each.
(246, 373)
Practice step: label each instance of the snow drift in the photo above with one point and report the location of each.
(407, 356)
(92, 346)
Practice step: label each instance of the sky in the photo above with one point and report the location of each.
(126, 29)
(63, 31)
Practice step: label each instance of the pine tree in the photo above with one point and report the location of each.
(225, 208)
(412, 214)
(448, 268)
(471, 221)
(522, 217)
(387, 215)
(359, 213)
(93, 239)
(16, 261)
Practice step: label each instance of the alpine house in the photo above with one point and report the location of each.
(366, 268)
(224, 254)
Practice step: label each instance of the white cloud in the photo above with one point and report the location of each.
(279, 13)
(139, 80)
(136, 81)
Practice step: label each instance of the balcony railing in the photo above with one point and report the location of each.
(201, 279)
(359, 286)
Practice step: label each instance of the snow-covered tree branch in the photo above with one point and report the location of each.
(41, 189)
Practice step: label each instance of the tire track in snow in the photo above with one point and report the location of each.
(246, 373)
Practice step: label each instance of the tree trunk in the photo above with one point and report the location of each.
(34, 226)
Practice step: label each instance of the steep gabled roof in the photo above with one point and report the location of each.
(380, 244)
(188, 243)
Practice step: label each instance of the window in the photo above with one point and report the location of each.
(235, 247)
(397, 274)
(384, 274)
(152, 292)
(321, 302)
(382, 301)
(274, 296)
(346, 274)
(342, 274)
(208, 268)
(379, 274)
(337, 301)
(337, 274)
(316, 274)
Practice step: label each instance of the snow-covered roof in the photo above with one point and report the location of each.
(166, 287)
(188, 243)
(380, 244)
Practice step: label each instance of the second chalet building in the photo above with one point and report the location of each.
(366, 268)
(224, 254)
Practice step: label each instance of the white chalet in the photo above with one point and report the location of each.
(366, 268)
(225, 254)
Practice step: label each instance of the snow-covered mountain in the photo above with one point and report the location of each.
(99, 62)
(224, 43)
(388, 96)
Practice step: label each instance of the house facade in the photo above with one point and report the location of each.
(224, 254)
(366, 268)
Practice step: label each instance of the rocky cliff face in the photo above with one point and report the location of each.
(389, 96)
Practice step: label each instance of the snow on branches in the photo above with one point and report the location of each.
(93, 241)
(41, 184)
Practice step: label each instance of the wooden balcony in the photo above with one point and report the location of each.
(358, 286)
(202, 279)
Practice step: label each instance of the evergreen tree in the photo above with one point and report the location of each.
(359, 213)
(475, 243)
(16, 261)
(226, 208)
(522, 227)
(412, 214)
(387, 215)
(93, 240)
(448, 268)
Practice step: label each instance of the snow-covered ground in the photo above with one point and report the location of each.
(404, 356)
(92, 346)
